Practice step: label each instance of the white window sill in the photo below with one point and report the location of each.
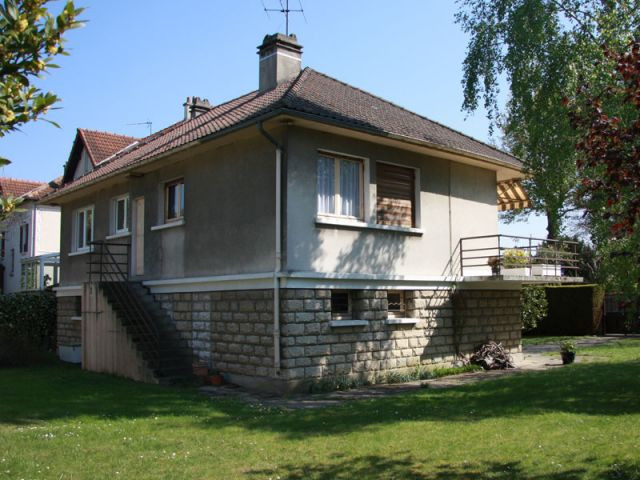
(115, 236)
(175, 223)
(80, 252)
(348, 323)
(322, 220)
(76, 319)
(401, 321)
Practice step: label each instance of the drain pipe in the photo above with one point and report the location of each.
(278, 253)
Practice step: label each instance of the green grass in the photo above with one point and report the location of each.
(549, 340)
(575, 422)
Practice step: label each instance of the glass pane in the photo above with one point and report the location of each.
(80, 230)
(181, 199)
(120, 214)
(89, 227)
(339, 302)
(172, 211)
(326, 185)
(350, 188)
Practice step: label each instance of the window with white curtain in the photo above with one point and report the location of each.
(339, 186)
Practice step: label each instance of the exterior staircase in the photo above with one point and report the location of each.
(166, 354)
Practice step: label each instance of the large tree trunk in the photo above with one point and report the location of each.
(553, 225)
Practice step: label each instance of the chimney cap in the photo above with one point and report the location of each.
(289, 42)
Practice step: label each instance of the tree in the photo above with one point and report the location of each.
(30, 38)
(542, 49)
(608, 119)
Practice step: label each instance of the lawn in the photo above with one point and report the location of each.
(575, 422)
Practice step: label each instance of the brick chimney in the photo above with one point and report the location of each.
(280, 60)
(195, 106)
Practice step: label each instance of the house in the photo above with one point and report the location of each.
(30, 237)
(303, 230)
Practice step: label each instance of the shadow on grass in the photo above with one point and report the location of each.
(62, 392)
(378, 467)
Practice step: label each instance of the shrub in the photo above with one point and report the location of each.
(27, 326)
(534, 307)
(515, 257)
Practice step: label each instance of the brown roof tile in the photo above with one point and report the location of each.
(102, 145)
(16, 187)
(313, 94)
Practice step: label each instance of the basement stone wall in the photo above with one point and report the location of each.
(233, 331)
(69, 332)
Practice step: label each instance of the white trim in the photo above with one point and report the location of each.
(323, 220)
(84, 251)
(348, 323)
(176, 223)
(282, 54)
(401, 321)
(249, 281)
(117, 235)
(77, 318)
(69, 291)
(361, 281)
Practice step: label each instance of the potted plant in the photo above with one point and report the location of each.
(215, 378)
(516, 262)
(494, 263)
(567, 352)
(547, 262)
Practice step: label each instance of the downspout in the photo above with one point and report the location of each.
(278, 253)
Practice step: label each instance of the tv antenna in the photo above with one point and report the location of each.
(284, 9)
(148, 123)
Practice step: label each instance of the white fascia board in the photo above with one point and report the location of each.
(249, 281)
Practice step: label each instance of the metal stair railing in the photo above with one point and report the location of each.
(109, 267)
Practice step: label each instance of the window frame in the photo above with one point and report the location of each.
(180, 199)
(402, 311)
(339, 315)
(86, 244)
(417, 222)
(114, 214)
(338, 158)
(24, 238)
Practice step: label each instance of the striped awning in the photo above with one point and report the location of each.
(511, 195)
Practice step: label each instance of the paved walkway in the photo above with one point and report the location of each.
(536, 358)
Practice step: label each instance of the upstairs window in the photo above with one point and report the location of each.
(83, 228)
(174, 200)
(24, 238)
(396, 195)
(339, 186)
(120, 214)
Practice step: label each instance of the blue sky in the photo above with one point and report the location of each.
(137, 61)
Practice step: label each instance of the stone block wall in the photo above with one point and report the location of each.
(230, 331)
(233, 331)
(69, 331)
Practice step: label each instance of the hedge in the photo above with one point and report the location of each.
(573, 310)
(27, 326)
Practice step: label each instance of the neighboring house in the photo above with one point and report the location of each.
(306, 229)
(30, 237)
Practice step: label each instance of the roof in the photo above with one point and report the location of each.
(313, 95)
(101, 145)
(16, 187)
(43, 190)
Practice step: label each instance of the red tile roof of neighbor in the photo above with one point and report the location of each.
(16, 187)
(314, 95)
(102, 145)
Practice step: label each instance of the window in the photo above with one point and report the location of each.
(395, 300)
(395, 195)
(2, 243)
(174, 200)
(24, 238)
(83, 229)
(120, 214)
(339, 186)
(340, 304)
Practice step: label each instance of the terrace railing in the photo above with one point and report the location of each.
(514, 256)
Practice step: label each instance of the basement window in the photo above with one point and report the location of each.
(340, 304)
(396, 302)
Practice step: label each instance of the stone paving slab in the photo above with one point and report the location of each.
(536, 358)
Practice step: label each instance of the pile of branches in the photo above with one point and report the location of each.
(492, 356)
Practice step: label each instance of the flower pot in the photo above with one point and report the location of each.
(200, 370)
(215, 379)
(546, 270)
(568, 357)
(515, 271)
